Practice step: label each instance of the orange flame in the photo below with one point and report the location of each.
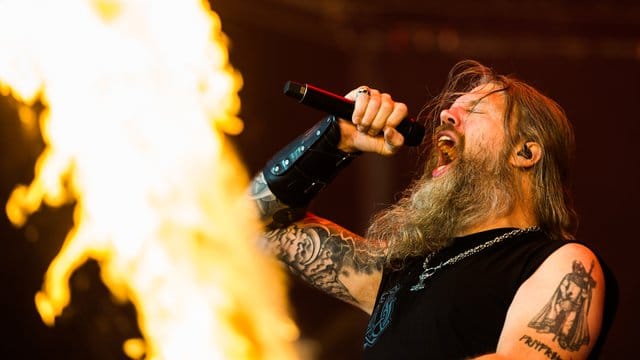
(138, 94)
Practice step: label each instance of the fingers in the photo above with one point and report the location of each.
(373, 110)
(367, 103)
(388, 144)
(375, 117)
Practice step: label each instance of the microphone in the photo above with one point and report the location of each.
(342, 107)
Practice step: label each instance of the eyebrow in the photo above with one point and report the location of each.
(476, 102)
(471, 104)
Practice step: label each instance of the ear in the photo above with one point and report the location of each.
(526, 154)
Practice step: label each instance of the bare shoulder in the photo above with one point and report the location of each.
(557, 312)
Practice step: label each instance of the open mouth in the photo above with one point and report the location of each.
(447, 153)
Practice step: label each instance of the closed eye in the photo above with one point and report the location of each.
(472, 107)
(474, 110)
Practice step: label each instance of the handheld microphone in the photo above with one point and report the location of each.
(342, 107)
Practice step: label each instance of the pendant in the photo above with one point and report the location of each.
(428, 272)
(424, 276)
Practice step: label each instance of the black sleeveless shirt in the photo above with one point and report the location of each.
(462, 308)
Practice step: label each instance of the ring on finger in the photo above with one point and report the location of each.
(363, 90)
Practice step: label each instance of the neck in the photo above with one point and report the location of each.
(521, 216)
(518, 221)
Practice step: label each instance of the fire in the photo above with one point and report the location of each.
(138, 95)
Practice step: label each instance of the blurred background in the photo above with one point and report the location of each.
(584, 54)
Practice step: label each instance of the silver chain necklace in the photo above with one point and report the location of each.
(428, 271)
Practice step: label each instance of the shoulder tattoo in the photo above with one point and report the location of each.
(565, 314)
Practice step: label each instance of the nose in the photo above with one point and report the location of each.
(447, 117)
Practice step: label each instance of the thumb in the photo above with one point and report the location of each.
(385, 144)
(393, 140)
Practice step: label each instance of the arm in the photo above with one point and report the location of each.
(557, 313)
(325, 255)
(330, 258)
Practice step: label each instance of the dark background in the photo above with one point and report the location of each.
(584, 54)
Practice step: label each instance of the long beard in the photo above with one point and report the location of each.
(433, 211)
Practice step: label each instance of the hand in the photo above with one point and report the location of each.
(372, 126)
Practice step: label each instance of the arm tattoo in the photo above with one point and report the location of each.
(322, 253)
(540, 347)
(565, 315)
(267, 203)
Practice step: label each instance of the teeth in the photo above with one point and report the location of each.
(445, 144)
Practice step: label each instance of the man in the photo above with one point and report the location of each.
(478, 258)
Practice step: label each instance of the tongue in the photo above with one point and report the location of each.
(439, 171)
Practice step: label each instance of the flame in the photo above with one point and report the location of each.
(138, 95)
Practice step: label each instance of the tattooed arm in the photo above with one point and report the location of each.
(330, 258)
(267, 203)
(557, 313)
(322, 253)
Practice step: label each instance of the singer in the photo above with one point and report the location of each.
(478, 259)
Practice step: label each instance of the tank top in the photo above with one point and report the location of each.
(461, 309)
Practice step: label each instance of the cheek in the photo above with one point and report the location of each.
(484, 141)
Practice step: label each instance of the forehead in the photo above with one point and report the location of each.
(487, 94)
